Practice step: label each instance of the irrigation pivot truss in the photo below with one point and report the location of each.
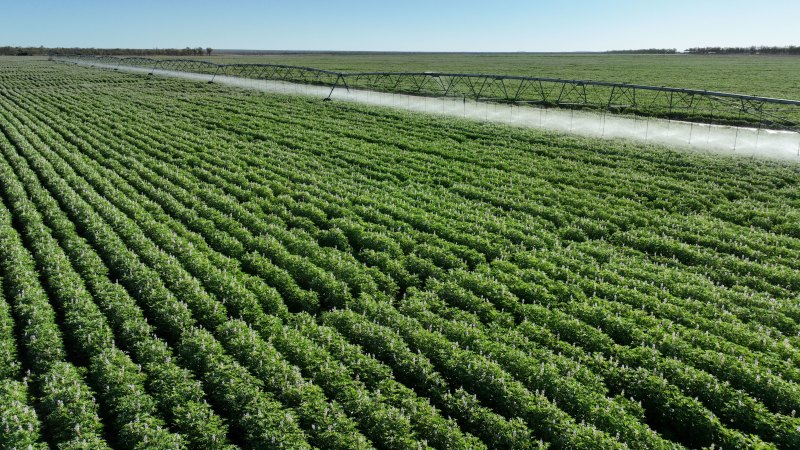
(657, 101)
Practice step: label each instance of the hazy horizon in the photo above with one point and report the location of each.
(415, 26)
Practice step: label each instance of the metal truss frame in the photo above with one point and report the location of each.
(668, 102)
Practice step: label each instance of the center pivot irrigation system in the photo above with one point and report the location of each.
(656, 101)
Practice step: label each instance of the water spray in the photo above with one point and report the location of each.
(675, 133)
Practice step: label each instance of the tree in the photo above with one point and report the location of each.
(208, 51)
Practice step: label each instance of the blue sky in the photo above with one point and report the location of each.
(402, 25)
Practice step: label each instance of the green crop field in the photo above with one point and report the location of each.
(188, 265)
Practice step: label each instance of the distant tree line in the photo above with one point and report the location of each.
(753, 50)
(36, 51)
(646, 51)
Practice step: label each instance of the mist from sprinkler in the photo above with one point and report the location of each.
(711, 138)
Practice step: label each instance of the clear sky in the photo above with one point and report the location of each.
(401, 25)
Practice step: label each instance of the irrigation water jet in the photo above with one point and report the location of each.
(723, 139)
